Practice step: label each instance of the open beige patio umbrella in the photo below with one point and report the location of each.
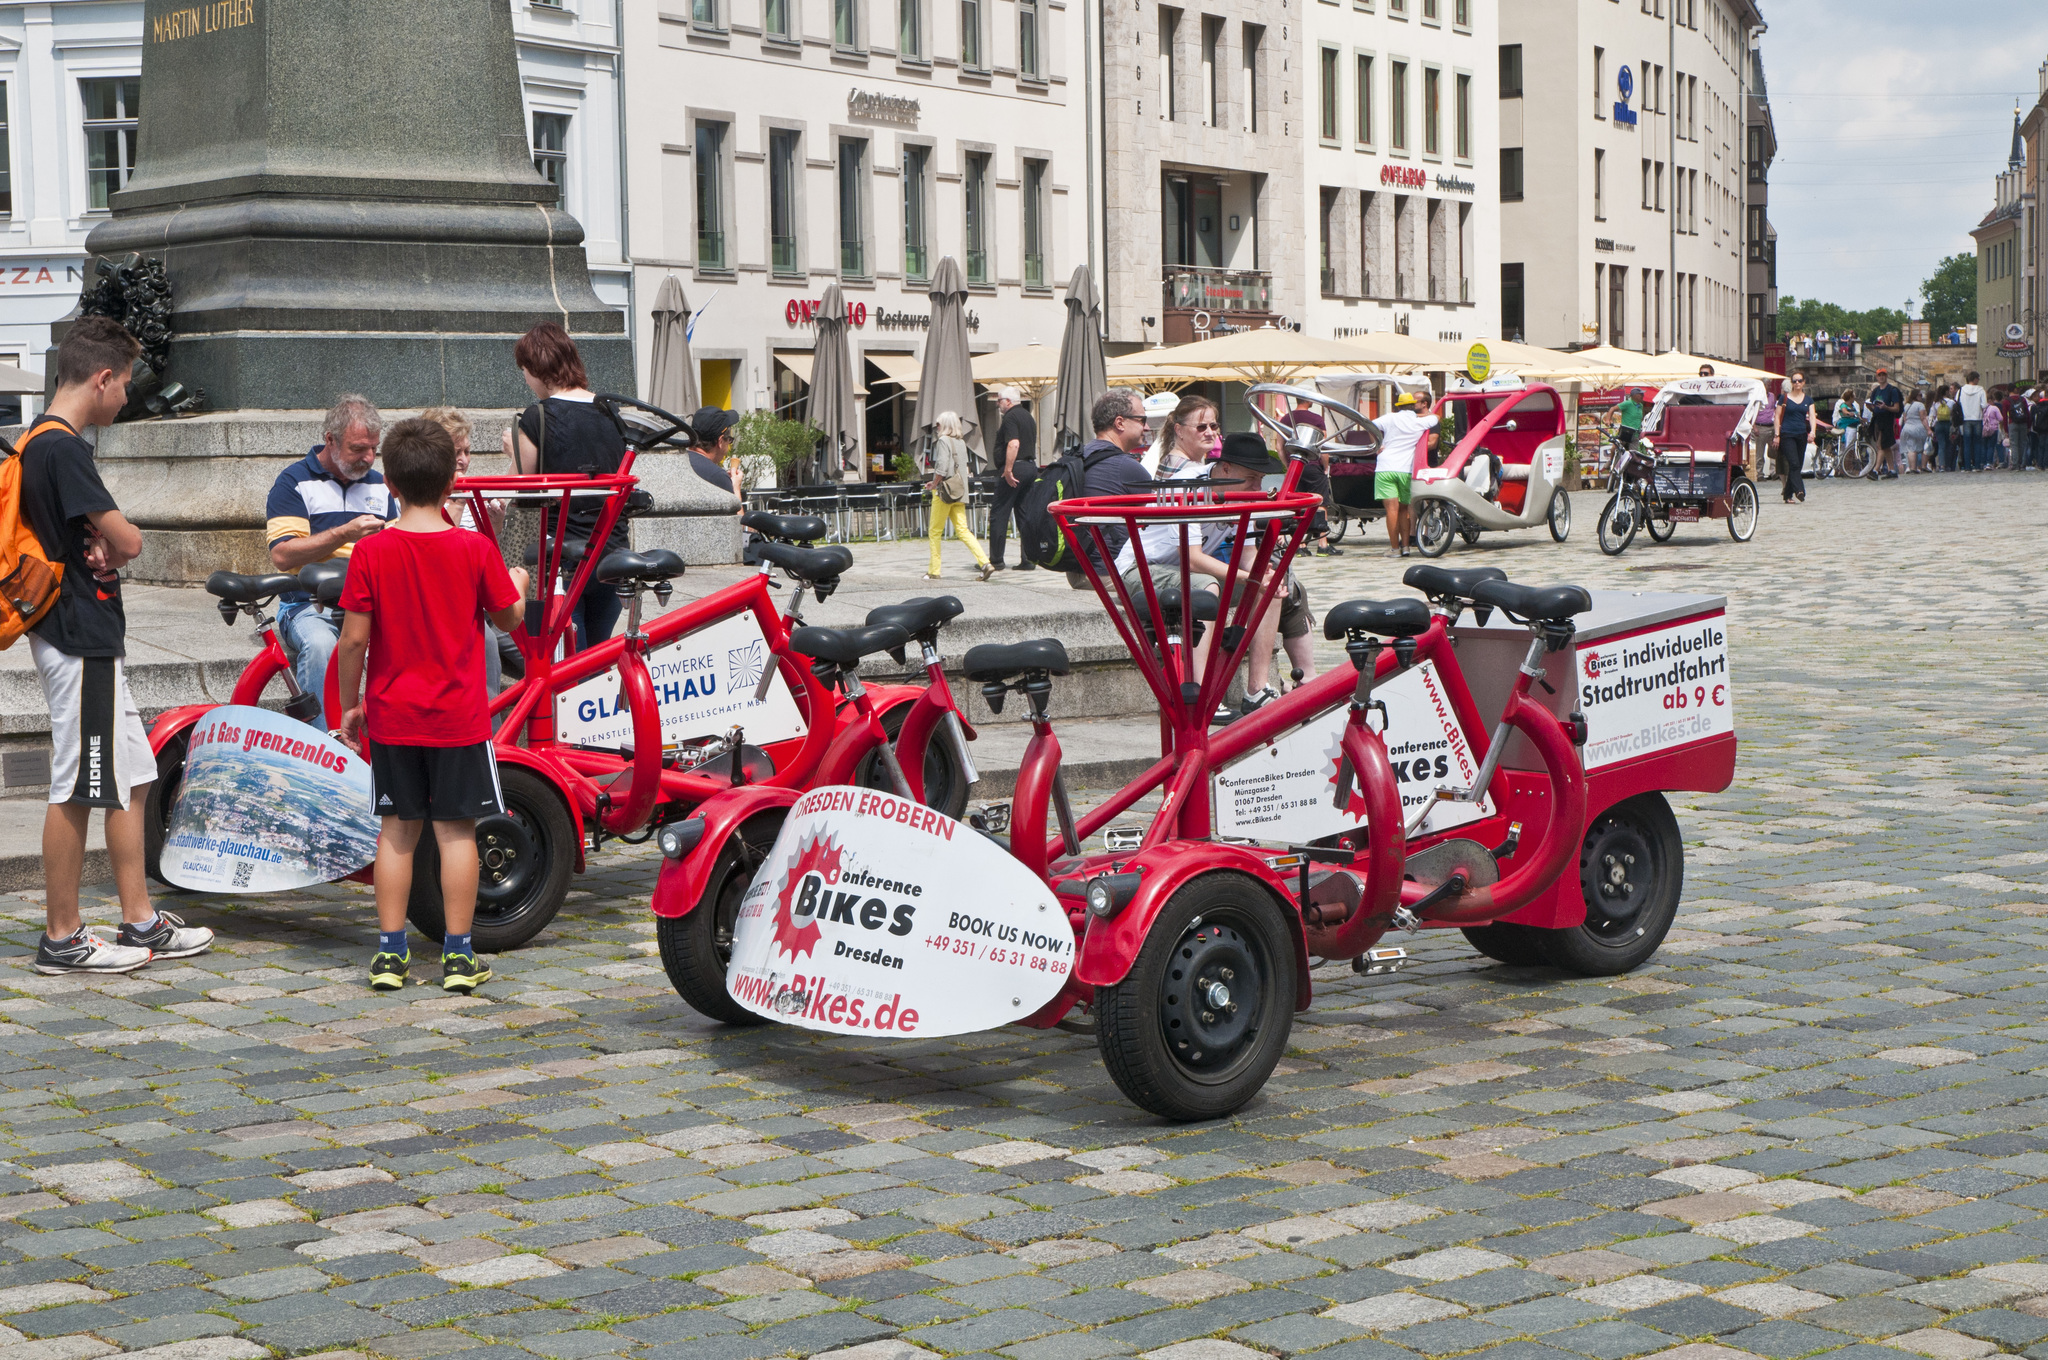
(1082, 379)
(1539, 364)
(19, 382)
(1654, 369)
(832, 388)
(671, 372)
(947, 382)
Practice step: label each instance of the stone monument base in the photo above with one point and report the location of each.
(197, 488)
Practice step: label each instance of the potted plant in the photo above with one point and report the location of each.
(769, 446)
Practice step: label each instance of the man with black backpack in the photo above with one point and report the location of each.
(1107, 465)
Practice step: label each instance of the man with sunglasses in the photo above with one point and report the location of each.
(1112, 464)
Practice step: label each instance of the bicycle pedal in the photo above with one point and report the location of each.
(1384, 959)
(1121, 838)
(991, 818)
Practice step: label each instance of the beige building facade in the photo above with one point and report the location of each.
(1627, 142)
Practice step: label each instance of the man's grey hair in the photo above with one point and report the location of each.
(349, 410)
(1118, 401)
(1011, 395)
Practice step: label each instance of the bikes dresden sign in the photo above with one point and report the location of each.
(877, 916)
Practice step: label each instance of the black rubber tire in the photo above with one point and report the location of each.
(1220, 920)
(1661, 529)
(534, 843)
(1436, 523)
(1624, 928)
(1623, 504)
(156, 808)
(1856, 461)
(695, 949)
(945, 770)
(1743, 509)
(1509, 942)
(1560, 515)
(1340, 524)
(1471, 537)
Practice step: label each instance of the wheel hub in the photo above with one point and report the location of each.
(1210, 1000)
(1618, 869)
(507, 861)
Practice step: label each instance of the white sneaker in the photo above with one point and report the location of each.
(168, 938)
(86, 952)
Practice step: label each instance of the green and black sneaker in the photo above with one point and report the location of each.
(387, 971)
(463, 972)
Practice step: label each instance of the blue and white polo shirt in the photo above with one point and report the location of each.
(307, 499)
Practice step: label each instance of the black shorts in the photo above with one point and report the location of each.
(435, 783)
(1887, 433)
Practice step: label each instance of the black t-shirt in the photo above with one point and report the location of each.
(60, 486)
(708, 468)
(1018, 425)
(1880, 399)
(580, 438)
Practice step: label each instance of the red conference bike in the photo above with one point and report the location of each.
(1377, 798)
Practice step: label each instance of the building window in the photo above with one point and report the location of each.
(1397, 8)
(1646, 184)
(1254, 35)
(1027, 40)
(1511, 307)
(1511, 174)
(1757, 228)
(6, 161)
(1429, 9)
(704, 13)
(775, 18)
(1169, 31)
(1034, 224)
(1461, 118)
(916, 236)
(1659, 177)
(1757, 163)
(970, 35)
(910, 29)
(1364, 99)
(1599, 82)
(551, 152)
(845, 25)
(1212, 75)
(1397, 93)
(1461, 13)
(711, 196)
(1511, 71)
(784, 172)
(1599, 185)
(1432, 111)
(853, 242)
(1327, 93)
(112, 107)
(975, 194)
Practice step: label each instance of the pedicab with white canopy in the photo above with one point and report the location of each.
(1691, 463)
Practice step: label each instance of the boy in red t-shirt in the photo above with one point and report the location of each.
(416, 600)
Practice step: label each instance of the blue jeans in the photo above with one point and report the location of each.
(309, 635)
(596, 612)
(1973, 444)
(1944, 450)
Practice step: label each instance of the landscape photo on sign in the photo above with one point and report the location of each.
(266, 804)
(877, 916)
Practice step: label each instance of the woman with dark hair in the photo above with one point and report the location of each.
(563, 431)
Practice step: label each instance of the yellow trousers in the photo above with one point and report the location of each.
(954, 512)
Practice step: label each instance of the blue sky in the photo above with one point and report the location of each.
(1891, 127)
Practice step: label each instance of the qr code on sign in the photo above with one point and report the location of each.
(242, 872)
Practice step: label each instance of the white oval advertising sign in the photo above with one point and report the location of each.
(267, 804)
(879, 917)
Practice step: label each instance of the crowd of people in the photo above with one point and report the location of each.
(1949, 427)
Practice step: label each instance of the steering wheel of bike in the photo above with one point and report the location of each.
(644, 426)
(1311, 437)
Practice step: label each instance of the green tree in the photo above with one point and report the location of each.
(1805, 316)
(763, 440)
(1951, 294)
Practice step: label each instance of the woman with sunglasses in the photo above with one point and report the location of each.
(1189, 435)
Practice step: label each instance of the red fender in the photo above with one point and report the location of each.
(527, 760)
(681, 883)
(1385, 850)
(644, 787)
(1109, 948)
(264, 667)
(172, 722)
(1562, 833)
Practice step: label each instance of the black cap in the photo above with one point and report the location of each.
(1248, 451)
(711, 422)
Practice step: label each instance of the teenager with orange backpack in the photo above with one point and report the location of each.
(78, 637)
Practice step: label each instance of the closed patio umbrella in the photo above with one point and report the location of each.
(1082, 379)
(832, 387)
(671, 372)
(947, 383)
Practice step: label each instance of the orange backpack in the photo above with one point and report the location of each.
(29, 580)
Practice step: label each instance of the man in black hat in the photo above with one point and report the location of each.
(713, 427)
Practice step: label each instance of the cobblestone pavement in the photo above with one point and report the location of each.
(1809, 1125)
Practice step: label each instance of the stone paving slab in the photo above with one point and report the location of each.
(1810, 1126)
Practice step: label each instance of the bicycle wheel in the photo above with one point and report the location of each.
(1856, 460)
(1618, 522)
(1340, 524)
(1659, 522)
(1560, 515)
(1436, 523)
(1742, 512)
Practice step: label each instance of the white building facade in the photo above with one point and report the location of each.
(1623, 126)
(776, 147)
(1401, 190)
(71, 99)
